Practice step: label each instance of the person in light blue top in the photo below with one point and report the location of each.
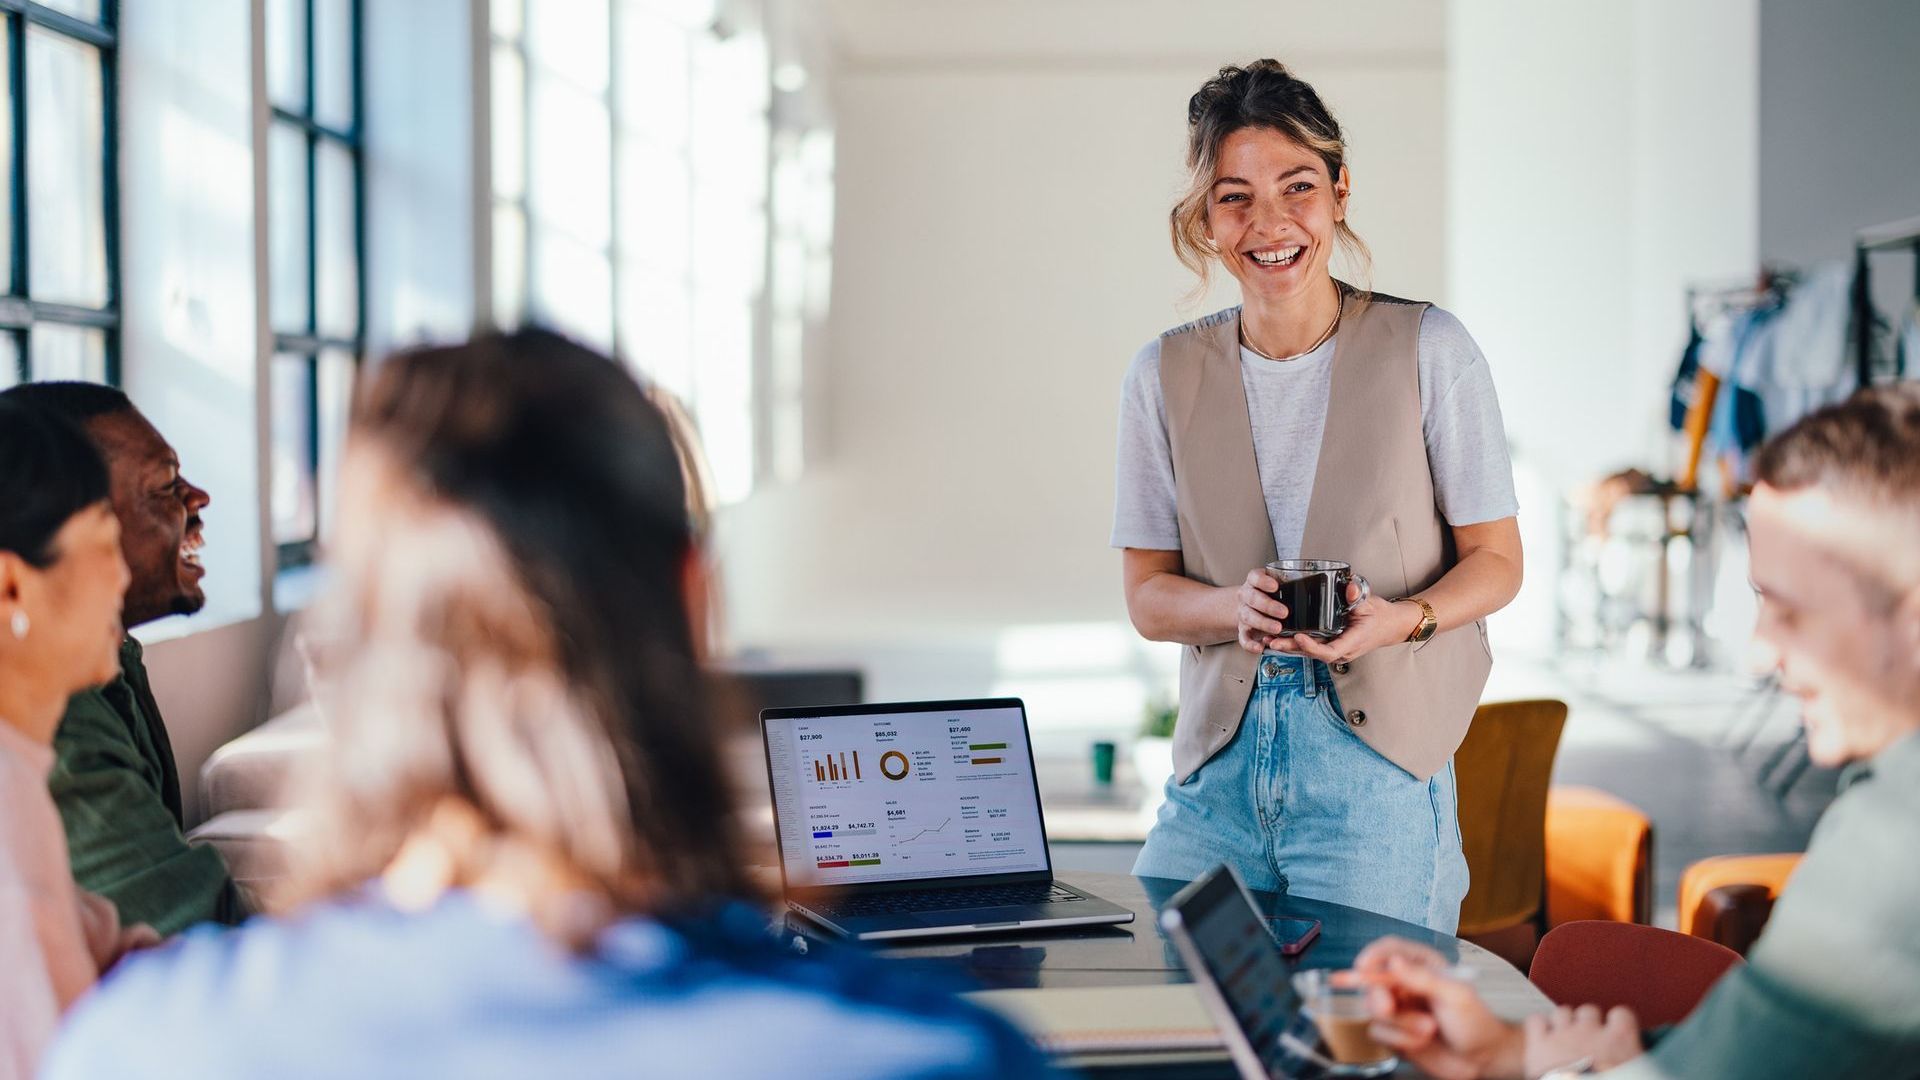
(521, 854)
(367, 989)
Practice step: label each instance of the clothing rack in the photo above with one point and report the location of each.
(1891, 236)
(1731, 295)
(1770, 288)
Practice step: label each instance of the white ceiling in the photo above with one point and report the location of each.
(1025, 32)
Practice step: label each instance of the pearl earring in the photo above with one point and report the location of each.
(21, 625)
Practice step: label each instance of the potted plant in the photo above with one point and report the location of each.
(1153, 749)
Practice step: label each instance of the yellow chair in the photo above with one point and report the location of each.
(1599, 858)
(1503, 769)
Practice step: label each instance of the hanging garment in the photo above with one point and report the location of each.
(1685, 379)
(1739, 421)
(1808, 360)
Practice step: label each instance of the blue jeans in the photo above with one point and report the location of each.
(1298, 803)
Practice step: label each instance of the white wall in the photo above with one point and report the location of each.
(1596, 171)
(1004, 175)
(1603, 156)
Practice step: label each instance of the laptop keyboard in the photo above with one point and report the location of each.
(979, 896)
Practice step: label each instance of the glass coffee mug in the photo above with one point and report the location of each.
(1336, 1002)
(1315, 592)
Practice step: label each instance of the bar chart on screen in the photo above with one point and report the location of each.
(837, 767)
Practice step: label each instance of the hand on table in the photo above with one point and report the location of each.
(1566, 1035)
(1371, 623)
(133, 939)
(1434, 1020)
(107, 940)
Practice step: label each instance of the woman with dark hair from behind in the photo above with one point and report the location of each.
(524, 856)
(61, 582)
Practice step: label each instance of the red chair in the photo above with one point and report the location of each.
(1657, 973)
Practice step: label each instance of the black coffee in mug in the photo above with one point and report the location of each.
(1315, 593)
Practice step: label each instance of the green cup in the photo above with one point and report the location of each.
(1103, 762)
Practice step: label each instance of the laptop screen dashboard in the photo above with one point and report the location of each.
(870, 795)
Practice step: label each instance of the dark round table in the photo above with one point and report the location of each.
(1139, 953)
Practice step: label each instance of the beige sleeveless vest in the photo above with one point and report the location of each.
(1372, 505)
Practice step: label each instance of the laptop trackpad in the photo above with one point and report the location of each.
(977, 916)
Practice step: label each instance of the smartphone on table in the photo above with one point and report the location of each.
(1292, 933)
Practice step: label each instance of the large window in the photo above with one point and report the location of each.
(316, 245)
(631, 178)
(799, 284)
(59, 280)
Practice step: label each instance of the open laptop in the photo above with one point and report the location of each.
(1244, 981)
(916, 820)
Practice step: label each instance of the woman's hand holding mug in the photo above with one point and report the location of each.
(1259, 616)
(1371, 623)
(1324, 599)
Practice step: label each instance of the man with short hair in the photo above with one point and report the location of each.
(1832, 987)
(114, 777)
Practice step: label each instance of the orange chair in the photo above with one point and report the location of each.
(1599, 858)
(1503, 769)
(1726, 899)
(1662, 976)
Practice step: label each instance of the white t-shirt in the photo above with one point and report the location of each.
(1287, 403)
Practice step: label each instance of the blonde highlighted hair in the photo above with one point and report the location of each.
(1263, 94)
(513, 641)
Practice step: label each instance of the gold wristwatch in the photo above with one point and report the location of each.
(1428, 622)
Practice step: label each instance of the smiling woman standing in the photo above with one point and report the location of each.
(1321, 421)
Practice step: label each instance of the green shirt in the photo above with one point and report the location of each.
(118, 792)
(1832, 988)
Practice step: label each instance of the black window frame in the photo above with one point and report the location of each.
(309, 345)
(19, 311)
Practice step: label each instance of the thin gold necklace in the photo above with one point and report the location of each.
(1340, 306)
